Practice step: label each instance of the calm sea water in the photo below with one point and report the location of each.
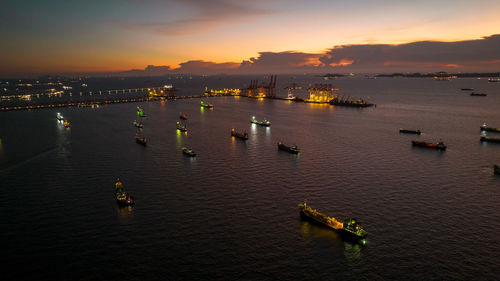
(231, 213)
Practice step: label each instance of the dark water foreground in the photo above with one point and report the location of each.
(231, 213)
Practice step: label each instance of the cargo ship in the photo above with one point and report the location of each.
(488, 139)
(490, 129)
(188, 151)
(122, 198)
(264, 122)
(478, 94)
(435, 145)
(351, 229)
(181, 128)
(404, 131)
(292, 149)
(207, 105)
(243, 136)
(352, 103)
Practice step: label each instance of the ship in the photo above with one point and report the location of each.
(467, 89)
(484, 127)
(207, 105)
(351, 229)
(183, 116)
(181, 128)
(188, 151)
(496, 169)
(264, 122)
(137, 124)
(352, 103)
(494, 79)
(140, 112)
(140, 140)
(67, 124)
(243, 136)
(59, 117)
(478, 94)
(122, 198)
(489, 139)
(404, 131)
(438, 145)
(292, 149)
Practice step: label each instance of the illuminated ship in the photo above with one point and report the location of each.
(140, 112)
(59, 117)
(138, 124)
(140, 140)
(264, 122)
(122, 198)
(490, 129)
(351, 103)
(292, 149)
(243, 136)
(404, 131)
(181, 128)
(207, 105)
(67, 124)
(493, 79)
(188, 151)
(183, 116)
(439, 145)
(351, 229)
(488, 139)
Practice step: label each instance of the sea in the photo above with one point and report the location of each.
(231, 213)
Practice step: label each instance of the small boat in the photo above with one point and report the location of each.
(404, 131)
(140, 140)
(59, 117)
(496, 169)
(188, 151)
(292, 149)
(243, 136)
(467, 89)
(138, 124)
(478, 94)
(484, 127)
(439, 145)
(181, 128)
(122, 198)
(183, 116)
(264, 122)
(67, 124)
(140, 112)
(207, 105)
(488, 139)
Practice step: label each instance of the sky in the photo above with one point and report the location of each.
(241, 36)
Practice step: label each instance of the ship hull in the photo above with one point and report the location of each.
(343, 232)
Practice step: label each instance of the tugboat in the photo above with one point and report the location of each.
(243, 136)
(351, 229)
(138, 124)
(496, 169)
(292, 149)
(59, 117)
(264, 122)
(404, 131)
(478, 94)
(490, 129)
(140, 140)
(181, 128)
(439, 145)
(183, 116)
(122, 198)
(488, 139)
(207, 105)
(66, 124)
(188, 151)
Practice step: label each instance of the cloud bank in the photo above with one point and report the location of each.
(480, 55)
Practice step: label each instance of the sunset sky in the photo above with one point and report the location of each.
(197, 36)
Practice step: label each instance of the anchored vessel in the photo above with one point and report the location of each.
(488, 139)
(122, 198)
(243, 136)
(467, 89)
(140, 140)
(206, 105)
(351, 229)
(264, 122)
(478, 94)
(435, 145)
(188, 151)
(292, 149)
(183, 116)
(404, 131)
(490, 129)
(351, 103)
(181, 128)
